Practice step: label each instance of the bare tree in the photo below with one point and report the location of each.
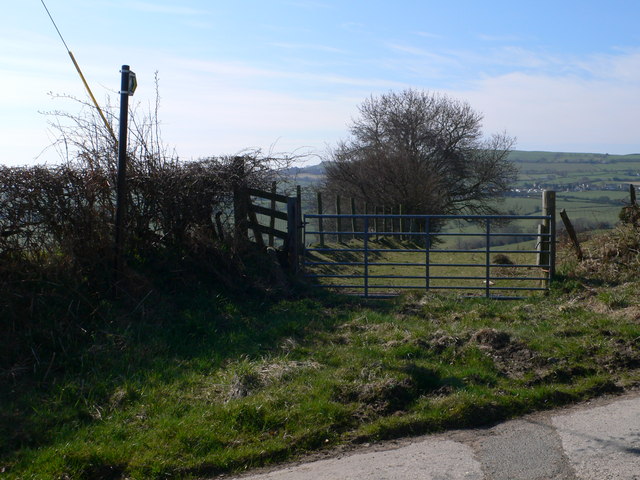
(423, 151)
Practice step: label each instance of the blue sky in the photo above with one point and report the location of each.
(288, 75)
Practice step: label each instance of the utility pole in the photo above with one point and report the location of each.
(128, 85)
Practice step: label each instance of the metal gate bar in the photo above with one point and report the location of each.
(329, 269)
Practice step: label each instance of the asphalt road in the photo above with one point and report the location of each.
(598, 440)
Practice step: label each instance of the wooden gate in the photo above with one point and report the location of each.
(257, 210)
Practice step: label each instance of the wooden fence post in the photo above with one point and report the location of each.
(299, 225)
(572, 233)
(353, 218)
(549, 207)
(257, 234)
(220, 227)
(376, 211)
(393, 221)
(272, 220)
(384, 219)
(338, 219)
(320, 229)
(547, 243)
(240, 208)
(293, 232)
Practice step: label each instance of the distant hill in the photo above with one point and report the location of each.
(549, 168)
(309, 170)
(591, 187)
(521, 156)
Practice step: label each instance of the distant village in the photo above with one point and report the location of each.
(535, 188)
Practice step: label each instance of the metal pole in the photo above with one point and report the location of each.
(121, 194)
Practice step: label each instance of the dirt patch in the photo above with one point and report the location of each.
(382, 396)
(491, 338)
(378, 393)
(440, 341)
(626, 355)
(443, 341)
(560, 373)
(511, 356)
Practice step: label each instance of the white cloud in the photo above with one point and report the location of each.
(623, 67)
(210, 107)
(229, 119)
(551, 113)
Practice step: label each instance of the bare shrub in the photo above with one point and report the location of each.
(502, 259)
(68, 210)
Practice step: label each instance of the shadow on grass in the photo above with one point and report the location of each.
(102, 357)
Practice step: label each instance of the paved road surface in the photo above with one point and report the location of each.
(598, 440)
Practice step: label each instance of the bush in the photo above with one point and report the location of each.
(68, 211)
(57, 249)
(630, 215)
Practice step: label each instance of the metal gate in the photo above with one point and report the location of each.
(498, 256)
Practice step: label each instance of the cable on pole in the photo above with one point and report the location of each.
(84, 81)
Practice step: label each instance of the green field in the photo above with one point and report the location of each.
(556, 169)
(592, 188)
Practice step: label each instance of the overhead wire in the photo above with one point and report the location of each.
(84, 81)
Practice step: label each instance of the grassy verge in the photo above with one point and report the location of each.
(212, 383)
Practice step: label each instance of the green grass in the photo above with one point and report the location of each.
(192, 382)
(206, 383)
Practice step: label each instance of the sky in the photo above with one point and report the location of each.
(287, 76)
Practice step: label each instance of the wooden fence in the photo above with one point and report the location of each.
(250, 203)
(389, 218)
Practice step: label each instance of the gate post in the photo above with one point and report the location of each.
(320, 212)
(550, 209)
(488, 259)
(293, 234)
(547, 241)
(353, 218)
(366, 256)
(338, 219)
(299, 235)
(427, 248)
(240, 210)
(272, 220)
